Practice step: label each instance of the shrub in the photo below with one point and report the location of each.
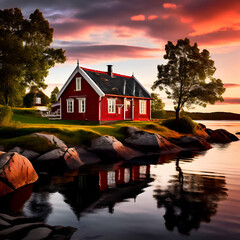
(184, 125)
(5, 115)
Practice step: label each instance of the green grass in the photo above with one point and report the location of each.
(73, 133)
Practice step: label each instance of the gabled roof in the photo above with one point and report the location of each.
(103, 83)
(117, 84)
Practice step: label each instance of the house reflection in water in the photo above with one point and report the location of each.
(122, 175)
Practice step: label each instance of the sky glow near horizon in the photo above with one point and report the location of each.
(132, 35)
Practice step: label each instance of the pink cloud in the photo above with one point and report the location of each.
(229, 100)
(138, 18)
(152, 17)
(231, 85)
(170, 5)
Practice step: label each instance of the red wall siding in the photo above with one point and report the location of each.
(137, 115)
(92, 101)
(105, 116)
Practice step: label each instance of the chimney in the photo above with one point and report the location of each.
(110, 73)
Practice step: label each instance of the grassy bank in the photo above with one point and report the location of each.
(73, 133)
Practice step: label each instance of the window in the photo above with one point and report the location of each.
(38, 100)
(78, 83)
(81, 105)
(111, 105)
(143, 106)
(70, 105)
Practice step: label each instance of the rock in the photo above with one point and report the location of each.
(31, 229)
(72, 159)
(29, 154)
(146, 141)
(1, 153)
(200, 131)
(87, 157)
(202, 126)
(52, 139)
(208, 131)
(9, 218)
(109, 147)
(38, 233)
(4, 223)
(17, 150)
(222, 136)
(15, 172)
(192, 143)
(55, 154)
(19, 227)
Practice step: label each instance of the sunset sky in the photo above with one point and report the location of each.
(131, 35)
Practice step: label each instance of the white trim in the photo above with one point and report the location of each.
(79, 105)
(142, 86)
(144, 108)
(150, 117)
(78, 83)
(86, 77)
(132, 109)
(113, 100)
(60, 108)
(72, 101)
(99, 110)
(124, 116)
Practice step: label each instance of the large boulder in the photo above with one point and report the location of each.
(15, 172)
(146, 141)
(69, 156)
(58, 143)
(221, 136)
(87, 157)
(192, 143)
(72, 159)
(200, 131)
(108, 147)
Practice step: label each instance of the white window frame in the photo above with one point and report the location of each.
(78, 83)
(143, 106)
(111, 105)
(70, 109)
(81, 105)
(38, 100)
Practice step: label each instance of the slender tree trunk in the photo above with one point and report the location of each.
(177, 114)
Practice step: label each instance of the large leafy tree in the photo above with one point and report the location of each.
(25, 53)
(187, 77)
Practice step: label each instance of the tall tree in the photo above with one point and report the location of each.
(54, 93)
(187, 77)
(25, 52)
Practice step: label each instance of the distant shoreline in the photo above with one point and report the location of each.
(207, 116)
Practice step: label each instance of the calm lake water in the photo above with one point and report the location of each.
(189, 196)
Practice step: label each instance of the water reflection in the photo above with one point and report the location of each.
(190, 199)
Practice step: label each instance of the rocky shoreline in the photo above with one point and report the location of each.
(20, 167)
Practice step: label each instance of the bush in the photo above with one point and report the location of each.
(184, 125)
(5, 116)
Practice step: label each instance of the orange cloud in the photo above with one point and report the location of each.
(186, 19)
(138, 18)
(152, 17)
(170, 5)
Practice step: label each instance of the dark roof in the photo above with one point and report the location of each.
(117, 84)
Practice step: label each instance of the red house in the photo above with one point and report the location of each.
(103, 96)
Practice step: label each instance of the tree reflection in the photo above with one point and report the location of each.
(190, 199)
